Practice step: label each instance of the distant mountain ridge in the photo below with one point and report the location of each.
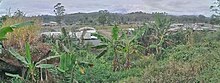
(123, 18)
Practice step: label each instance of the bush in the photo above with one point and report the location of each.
(102, 72)
(199, 63)
(18, 37)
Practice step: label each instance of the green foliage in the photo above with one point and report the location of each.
(19, 13)
(13, 75)
(102, 72)
(184, 56)
(155, 36)
(69, 51)
(1, 47)
(186, 64)
(178, 38)
(15, 78)
(110, 46)
(18, 56)
(94, 18)
(45, 66)
(5, 30)
(115, 32)
(129, 46)
(130, 80)
(107, 44)
(216, 9)
(59, 11)
(27, 62)
(214, 19)
(102, 19)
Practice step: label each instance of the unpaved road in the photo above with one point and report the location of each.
(107, 33)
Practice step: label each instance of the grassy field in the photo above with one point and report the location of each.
(148, 55)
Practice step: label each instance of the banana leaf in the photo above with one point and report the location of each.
(153, 46)
(13, 75)
(46, 66)
(102, 53)
(85, 64)
(5, 30)
(48, 58)
(18, 25)
(28, 53)
(115, 32)
(18, 56)
(101, 37)
(100, 46)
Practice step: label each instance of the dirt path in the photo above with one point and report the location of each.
(107, 33)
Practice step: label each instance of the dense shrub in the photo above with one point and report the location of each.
(102, 72)
(18, 37)
(199, 63)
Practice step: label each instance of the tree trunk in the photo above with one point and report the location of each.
(127, 63)
(115, 62)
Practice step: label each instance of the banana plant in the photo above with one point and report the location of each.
(160, 27)
(109, 46)
(68, 58)
(28, 62)
(7, 29)
(68, 62)
(1, 47)
(68, 51)
(130, 46)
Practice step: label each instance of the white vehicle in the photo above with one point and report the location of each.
(52, 34)
(78, 34)
(88, 35)
(0, 49)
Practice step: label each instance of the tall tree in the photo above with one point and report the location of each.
(214, 19)
(59, 11)
(216, 9)
(102, 19)
(201, 18)
(19, 13)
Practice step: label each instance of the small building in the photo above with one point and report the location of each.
(46, 24)
(51, 23)
(216, 26)
(129, 31)
(176, 27)
(88, 34)
(204, 26)
(51, 34)
(88, 29)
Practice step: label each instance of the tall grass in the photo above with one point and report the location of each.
(18, 38)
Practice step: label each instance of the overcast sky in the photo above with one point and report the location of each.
(175, 7)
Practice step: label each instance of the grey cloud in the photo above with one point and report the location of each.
(178, 7)
(181, 6)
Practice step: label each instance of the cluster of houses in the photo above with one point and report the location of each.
(89, 30)
(78, 34)
(195, 26)
(51, 23)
